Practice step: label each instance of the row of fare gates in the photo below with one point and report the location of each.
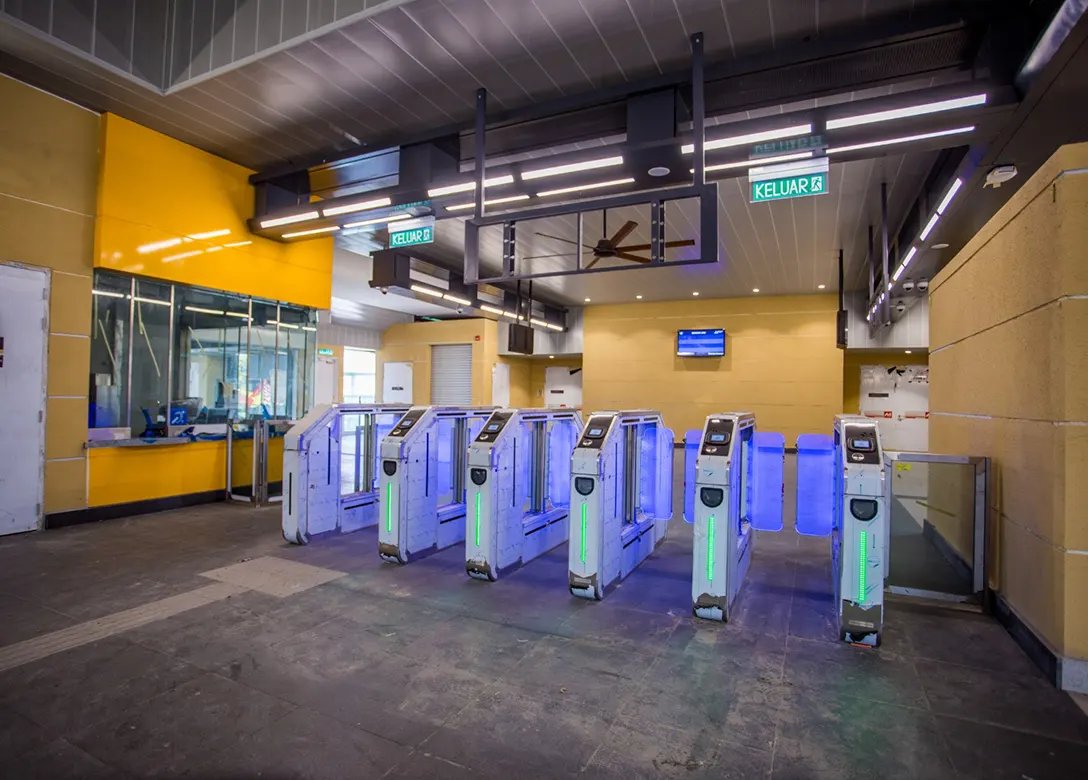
(514, 484)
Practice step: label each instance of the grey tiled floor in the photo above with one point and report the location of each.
(419, 672)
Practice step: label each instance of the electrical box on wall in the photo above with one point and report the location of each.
(521, 339)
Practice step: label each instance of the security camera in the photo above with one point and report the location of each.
(385, 290)
(460, 309)
(923, 285)
(900, 307)
(908, 286)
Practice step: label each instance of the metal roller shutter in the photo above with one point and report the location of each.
(451, 375)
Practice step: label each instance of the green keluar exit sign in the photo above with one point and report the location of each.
(411, 237)
(798, 186)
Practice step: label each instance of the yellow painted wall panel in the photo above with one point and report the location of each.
(70, 304)
(781, 361)
(1074, 352)
(65, 427)
(69, 364)
(159, 199)
(50, 148)
(119, 475)
(1007, 371)
(1075, 489)
(65, 485)
(411, 342)
(37, 234)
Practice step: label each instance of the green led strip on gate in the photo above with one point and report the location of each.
(477, 519)
(710, 549)
(862, 563)
(389, 507)
(583, 542)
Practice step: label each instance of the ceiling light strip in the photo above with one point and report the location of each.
(426, 290)
(108, 294)
(198, 310)
(901, 140)
(781, 158)
(752, 138)
(289, 220)
(378, 220)
(559, 170)
(468, 186)
(929, 227)
(907, 111)
(314, 232)
(950, 195)
(351, 208)
(455, 299)
(597, 186)
(495, 202)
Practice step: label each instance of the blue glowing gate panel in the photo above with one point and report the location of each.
(767, 475)
(692, 440)
(815, 484)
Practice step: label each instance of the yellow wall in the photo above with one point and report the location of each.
(48, 170)
(1009, 380)
(781, 362)
(411, 343)
(852, 362)
(153, 188)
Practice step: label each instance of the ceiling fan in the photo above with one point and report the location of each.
(610, 247)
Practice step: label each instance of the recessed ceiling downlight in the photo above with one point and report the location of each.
(659, 170)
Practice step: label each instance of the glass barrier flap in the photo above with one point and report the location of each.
(665, 442)
(767, 471)
(692, 439)
(815, 484)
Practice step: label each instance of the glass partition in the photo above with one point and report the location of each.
(165, 355)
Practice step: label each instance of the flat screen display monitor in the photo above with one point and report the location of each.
(700, 343)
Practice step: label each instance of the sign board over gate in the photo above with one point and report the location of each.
(790, 180)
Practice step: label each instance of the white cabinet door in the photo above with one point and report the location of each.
(397, 383)
(325, 382)
(23, 307)
(563, 387)
(500, 385)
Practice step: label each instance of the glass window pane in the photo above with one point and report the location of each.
(110, 308)
(211, 332)
(150, 357)
(296, 353)
(261, 378)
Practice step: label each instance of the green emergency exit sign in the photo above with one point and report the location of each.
(412, 232)
(799, 186)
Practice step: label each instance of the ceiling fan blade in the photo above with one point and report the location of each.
(635, 258)
(644, 247)
(596, 259)
(541, 257)
(564, 240)
(623, 232)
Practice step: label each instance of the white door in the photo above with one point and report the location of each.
(897, 397)
(563, 387)
(23, 309)
(500, 385)
(325, 381)
(397, 383)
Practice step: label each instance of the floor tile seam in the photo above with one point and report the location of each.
(782, 671)
(1005, 727)
(47, 608)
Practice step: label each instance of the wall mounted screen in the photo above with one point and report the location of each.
(700, 343)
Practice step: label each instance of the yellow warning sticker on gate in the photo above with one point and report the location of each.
(902, 467)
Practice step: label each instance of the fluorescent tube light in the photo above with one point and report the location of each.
(108, 294)
(907, 111)
(199, 310)
(929, 227)
(455, 299)
(279, 324)
(597, 186)
(554, 327)
(351, 208)
(950, 194)
(468, 186)
(497, 201)
(289, 220)
(309, 328)
(910, 256)
(898, 272)
(491, 309)
(751, 138)
(540, 323)
(378, 221)
(209, 234)
(781, 158)
(559, 170)
(138, 299)
(237, 314)
(182, 255)
(902, 140)
(426, 290)
(144, 249)
(313, 232)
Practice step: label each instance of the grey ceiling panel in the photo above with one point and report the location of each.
(792, 20)
(222, 44)
(204, 30)
(245, 29)
(149, 41)
(181, 39)
(532, 29)
(114, 33)
(269, 23)
(660, 25)
(709, 18)
(749, 25)
(73, 23)
(835, 13)
(294, 20)
(322, 12)
(626, 41)
(35, 13)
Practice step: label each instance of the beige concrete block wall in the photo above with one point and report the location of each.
(48, 180)
(1009, 380)
(781, 362)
